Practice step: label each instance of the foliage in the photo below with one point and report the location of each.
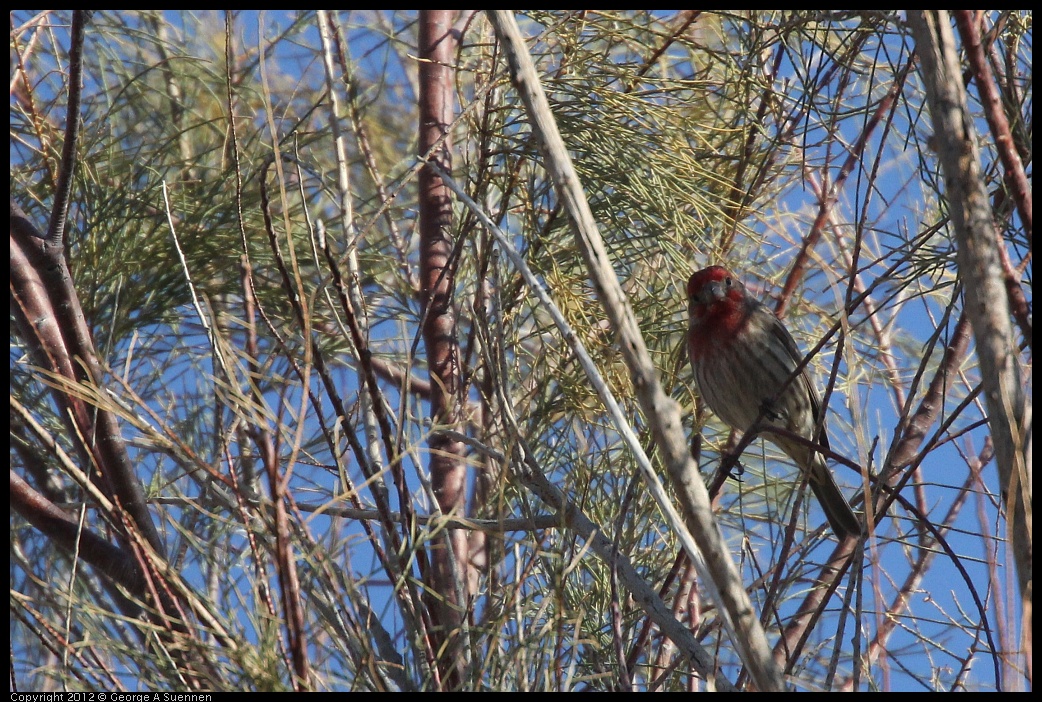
(791, 145)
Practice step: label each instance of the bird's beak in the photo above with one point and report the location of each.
(715, 291)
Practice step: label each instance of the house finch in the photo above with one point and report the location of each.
(741, 355)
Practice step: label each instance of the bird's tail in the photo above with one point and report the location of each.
(841, 517)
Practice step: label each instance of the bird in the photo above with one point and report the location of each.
(741, 355)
